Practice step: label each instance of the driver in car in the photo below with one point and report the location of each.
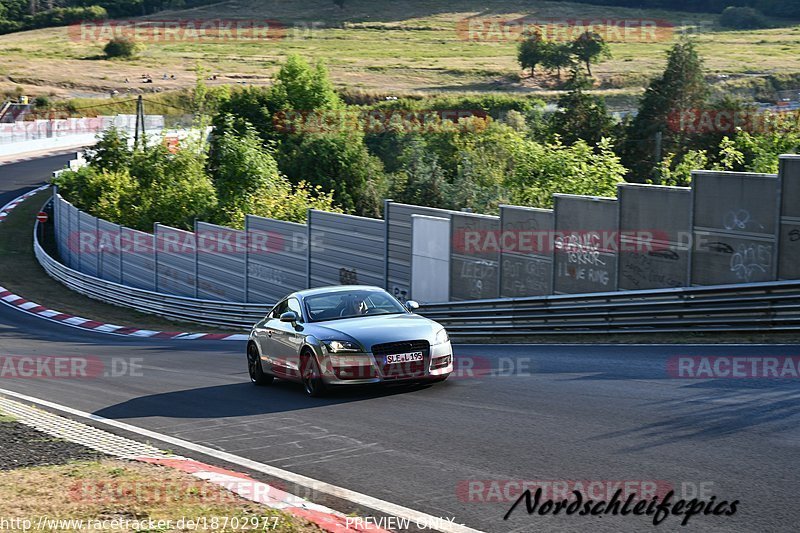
(353, 305)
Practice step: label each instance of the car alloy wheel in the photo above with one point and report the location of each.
(311, 376)
(254, 367)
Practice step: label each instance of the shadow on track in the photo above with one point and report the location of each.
(244, 399)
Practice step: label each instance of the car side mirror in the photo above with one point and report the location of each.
(411, 305)
(289, 316)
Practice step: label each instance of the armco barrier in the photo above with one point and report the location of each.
(753, 307)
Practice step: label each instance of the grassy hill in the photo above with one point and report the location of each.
(388, 48)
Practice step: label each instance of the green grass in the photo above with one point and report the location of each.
(392, 47)
(21, 273)
(4, 418)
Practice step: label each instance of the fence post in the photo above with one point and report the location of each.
(121, 252)
(308, 248)
(247, 259)
(155, 256)
(386, 203)
(196, 262)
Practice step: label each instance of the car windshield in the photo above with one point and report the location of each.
(350, 304)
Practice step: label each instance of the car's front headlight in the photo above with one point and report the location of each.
(341, 346)
(441, 337)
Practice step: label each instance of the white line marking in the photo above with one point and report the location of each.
(338, 492)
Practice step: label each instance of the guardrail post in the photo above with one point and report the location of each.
(155, 257)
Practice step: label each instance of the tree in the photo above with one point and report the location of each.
(742, 18)
(582, 116)
(299, 87)
(531, 51)
(111, 152)
(557, 56)
(338, 162)
(121, 46)
(247, 181)
(682, 87)
(589, 48)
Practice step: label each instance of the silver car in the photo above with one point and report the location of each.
(347, 335)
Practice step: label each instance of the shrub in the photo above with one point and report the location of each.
(742, 18)
(121, 47)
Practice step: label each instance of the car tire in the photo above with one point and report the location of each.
(311, 376)
(254, 368)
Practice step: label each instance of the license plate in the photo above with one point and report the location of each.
(404, 358)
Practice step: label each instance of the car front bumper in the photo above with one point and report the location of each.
(366, 368)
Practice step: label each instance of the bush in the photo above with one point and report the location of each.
(121, 47)
(742, 18)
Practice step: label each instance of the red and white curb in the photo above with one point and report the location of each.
(236, 482)
(18, 302)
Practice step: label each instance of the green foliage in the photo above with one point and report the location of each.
(532, 52)
(557, 56)
(742, 18)
(557, 168)
(138, 188)
(299, 87)
(582, 116)
(247, 181)
(589, 48)
(121, 46)
(338, 162)
(111, 152)
(681, 87)
(61, 16)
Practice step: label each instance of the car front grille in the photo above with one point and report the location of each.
(402, 370)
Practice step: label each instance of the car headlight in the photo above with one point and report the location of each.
(441, 337)
(341, 346)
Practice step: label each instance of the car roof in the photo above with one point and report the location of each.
(334, 289)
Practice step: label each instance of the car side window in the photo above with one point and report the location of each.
(279, 309)
(294, 305)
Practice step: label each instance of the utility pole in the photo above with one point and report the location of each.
(139, 122)
(659, 138)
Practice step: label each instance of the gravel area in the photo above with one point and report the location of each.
(22, 446)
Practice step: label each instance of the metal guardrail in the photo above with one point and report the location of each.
(753, 307)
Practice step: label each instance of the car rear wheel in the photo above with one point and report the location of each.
(311, 376)
(255, 369)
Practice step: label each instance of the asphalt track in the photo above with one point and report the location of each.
(583, 412)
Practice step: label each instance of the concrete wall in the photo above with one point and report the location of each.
(584, 257)
(735, 224)
(430, 262)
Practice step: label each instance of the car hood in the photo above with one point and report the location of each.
(369, 330)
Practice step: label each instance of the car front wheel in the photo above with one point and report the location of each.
(311, 375)
(255, 369)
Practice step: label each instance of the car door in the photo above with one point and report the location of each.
(287, 340)
(265, 332)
